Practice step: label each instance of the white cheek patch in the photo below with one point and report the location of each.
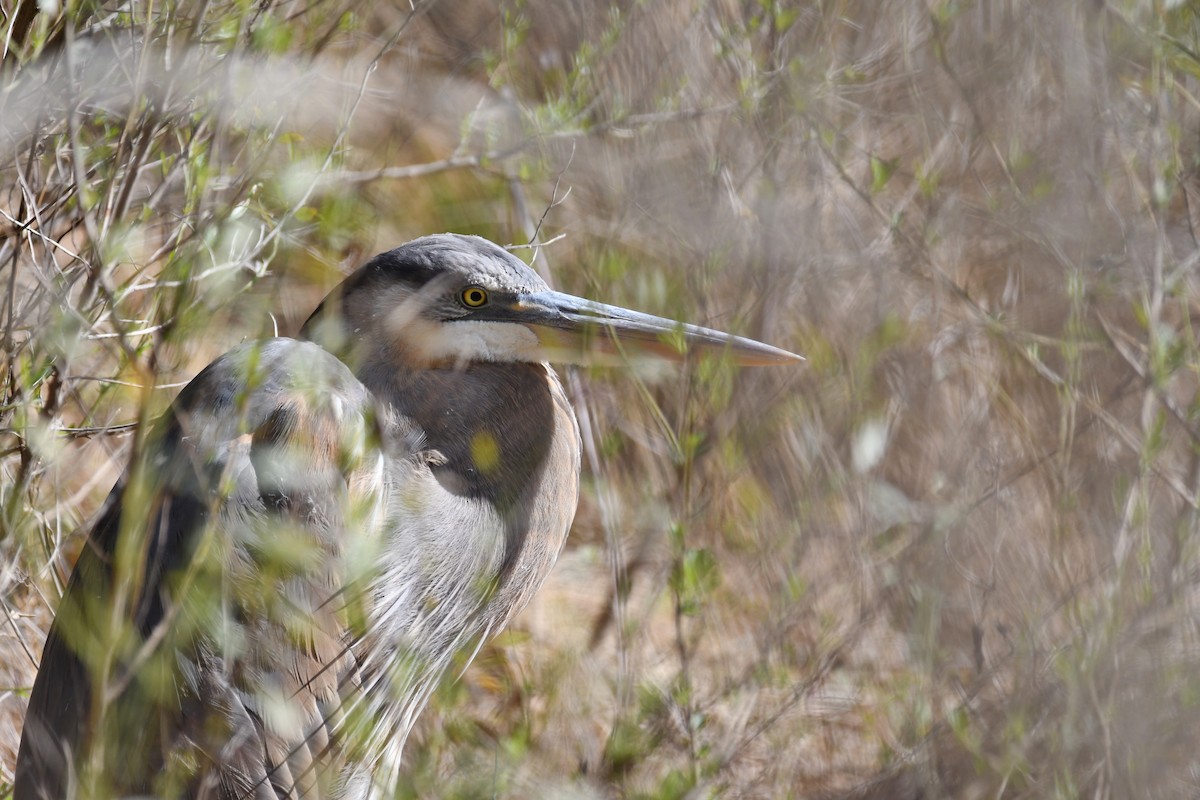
(459, 342)
(492, 341)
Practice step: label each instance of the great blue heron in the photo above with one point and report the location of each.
(271, 594)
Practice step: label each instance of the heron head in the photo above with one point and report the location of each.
(450, 299)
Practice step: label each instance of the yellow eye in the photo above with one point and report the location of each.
(473, 297)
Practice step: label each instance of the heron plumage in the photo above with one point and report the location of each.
(317, 528)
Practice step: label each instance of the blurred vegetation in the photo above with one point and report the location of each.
(955, 555)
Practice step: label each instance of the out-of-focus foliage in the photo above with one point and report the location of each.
(955, 555)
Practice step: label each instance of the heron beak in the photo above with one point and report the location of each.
(574, 330)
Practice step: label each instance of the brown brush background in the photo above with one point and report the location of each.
(956, 554)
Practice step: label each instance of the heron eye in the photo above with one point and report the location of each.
(473, 297)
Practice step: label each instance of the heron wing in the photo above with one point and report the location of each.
(203, 640)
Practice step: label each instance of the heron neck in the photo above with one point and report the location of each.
(491, 423)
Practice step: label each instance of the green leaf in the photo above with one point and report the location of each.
(694, 578)
(881, 172)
